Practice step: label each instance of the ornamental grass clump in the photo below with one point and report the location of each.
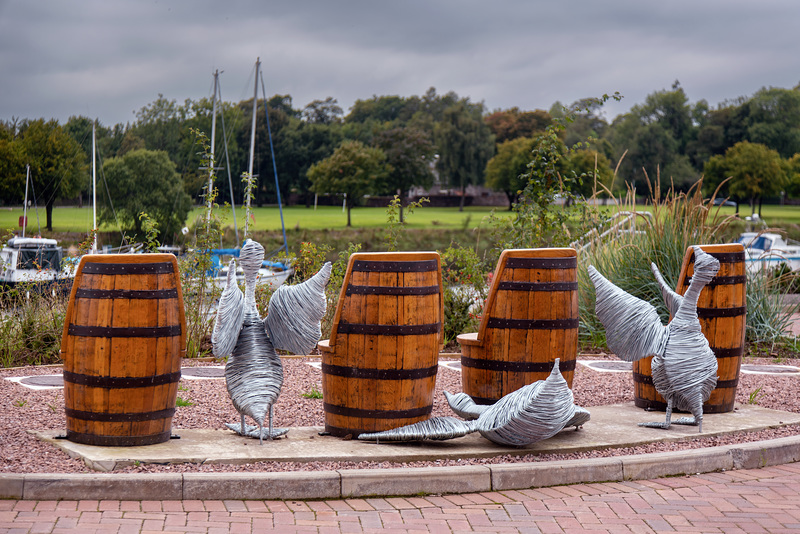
(661, 235)
(623, 248)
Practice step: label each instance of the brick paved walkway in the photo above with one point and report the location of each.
(746, 501)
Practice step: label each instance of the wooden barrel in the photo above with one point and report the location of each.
(379, 365)
(124, 336)
(530, 318)
(722, 310)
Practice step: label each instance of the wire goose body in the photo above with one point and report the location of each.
(684, 367)
(532, 413)
(253, 372)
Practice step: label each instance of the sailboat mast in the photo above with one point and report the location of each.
(94, 186)
(274, 170)
(213, 139)
(252, 143)
(25, 206)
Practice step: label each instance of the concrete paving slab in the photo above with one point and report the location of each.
(387, 482)
(294, 485)
(50, 486)
(610, 426)
(11, 487)
(543, 474)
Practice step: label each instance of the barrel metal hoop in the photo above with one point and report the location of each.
(121, 382)
(652, 405)
(569, 262)
(722, 280)
(126, 294)
(335, 409)
(733, 352)
(727, 384)
(105, 417)
(648, 380)
(126, 331)
(643, 379)
(422, 266)
(379, 374)
(118, 441)
(519, 367)
(127, 268)
(725, 257)
(391, 290)
(538, 286)
(706, 313)
(532, 324)
(483, 400)
(389, 329)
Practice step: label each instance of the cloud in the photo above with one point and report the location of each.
(108, 58)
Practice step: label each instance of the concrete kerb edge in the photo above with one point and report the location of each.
(312, 485)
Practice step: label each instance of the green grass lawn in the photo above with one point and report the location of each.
(72, 219)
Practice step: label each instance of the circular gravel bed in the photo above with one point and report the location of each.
(23, 409)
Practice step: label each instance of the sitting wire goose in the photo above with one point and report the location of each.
(684, 367)
(253, 372)
(532, 413)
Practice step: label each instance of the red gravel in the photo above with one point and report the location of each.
(23, 408)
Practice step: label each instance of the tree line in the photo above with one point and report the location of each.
(387, 144)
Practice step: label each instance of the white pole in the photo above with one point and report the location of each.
(94, 187)
(252, 143)
(213, 140)
(25, 206)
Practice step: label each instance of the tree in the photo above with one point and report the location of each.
(773, 119)
(590, 166)
(12, 167)
(58, 163)
(504, 171)
(383, 109)
(755, 170)
(465, 145)
(323, 112)
(162, 125)
(353, 169)
(512, 123)
(656, 135)
(300, 145)
(409, 153)
(793, 185)
(146, 181)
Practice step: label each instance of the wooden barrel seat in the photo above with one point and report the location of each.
(124, 336)
(379, 365)
(530, 318)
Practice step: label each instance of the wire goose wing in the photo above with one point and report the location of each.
(230, 316)
(633, 326)
(435, 428)
(295, 312)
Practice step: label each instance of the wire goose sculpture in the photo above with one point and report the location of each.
(253, 372)
(532, 413)
(684, 367)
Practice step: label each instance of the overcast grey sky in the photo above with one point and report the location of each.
(106, 59)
